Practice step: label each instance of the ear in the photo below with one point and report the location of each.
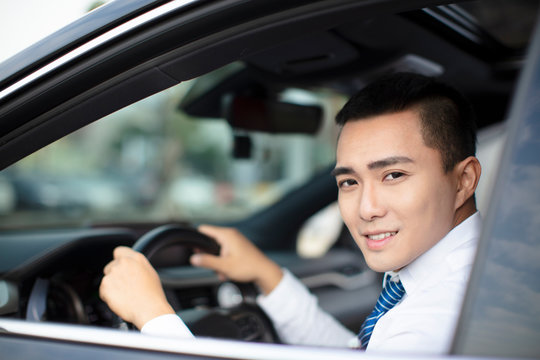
(467, 174)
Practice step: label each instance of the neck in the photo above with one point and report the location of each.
(463, 212)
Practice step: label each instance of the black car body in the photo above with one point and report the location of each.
(241, 56)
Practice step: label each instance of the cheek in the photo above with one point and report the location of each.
(342, 204)
(429, 193)
(429, 209)
(408, 202)
(346, 208)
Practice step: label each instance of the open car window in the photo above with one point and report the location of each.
(153, 162)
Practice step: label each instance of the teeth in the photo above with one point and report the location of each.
(381, 236)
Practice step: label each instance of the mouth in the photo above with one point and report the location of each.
(376, 241)
(381, 236)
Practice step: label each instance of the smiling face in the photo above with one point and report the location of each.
(394, 195)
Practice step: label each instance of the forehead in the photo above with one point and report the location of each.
(389, 135)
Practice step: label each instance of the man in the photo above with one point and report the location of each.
(406, 174)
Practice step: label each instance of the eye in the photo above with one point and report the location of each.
(346, 183)
(394, 175)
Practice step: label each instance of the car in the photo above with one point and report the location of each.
(145, 118)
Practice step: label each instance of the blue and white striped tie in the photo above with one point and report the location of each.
(391, 294)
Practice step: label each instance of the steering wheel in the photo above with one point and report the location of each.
(243, 322)
(166, 235)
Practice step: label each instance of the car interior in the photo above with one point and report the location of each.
(263, 84)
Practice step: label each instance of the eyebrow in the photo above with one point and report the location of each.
(342, 170)
(378, 164)
(389, 161)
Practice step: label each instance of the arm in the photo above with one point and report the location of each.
(298, 319)
(296, 315)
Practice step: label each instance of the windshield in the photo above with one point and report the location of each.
(153, 162)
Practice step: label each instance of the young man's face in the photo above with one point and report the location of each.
(394, 196)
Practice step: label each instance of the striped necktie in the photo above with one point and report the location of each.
(391, 294)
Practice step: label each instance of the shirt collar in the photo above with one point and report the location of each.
(434, 261)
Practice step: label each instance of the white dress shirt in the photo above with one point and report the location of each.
(423, 322)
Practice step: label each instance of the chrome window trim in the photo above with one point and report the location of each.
(133, 340)
(96, 42)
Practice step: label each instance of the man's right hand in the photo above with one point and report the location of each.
(132, 289)
(239, 259)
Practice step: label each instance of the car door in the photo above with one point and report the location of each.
(501, 313)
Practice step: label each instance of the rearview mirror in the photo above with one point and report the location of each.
(267, 115)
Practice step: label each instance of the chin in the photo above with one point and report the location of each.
(378, 267)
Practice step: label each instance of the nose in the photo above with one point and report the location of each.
(371, 204)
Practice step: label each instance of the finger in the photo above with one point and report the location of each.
(107, 269)
(206, 261)
(214, 232)
(103, 292)
(121, 251)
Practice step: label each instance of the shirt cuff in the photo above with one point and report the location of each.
(169, 325)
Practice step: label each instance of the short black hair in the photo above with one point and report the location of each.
(447, 118)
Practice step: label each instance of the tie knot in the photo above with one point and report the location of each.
(391, 294)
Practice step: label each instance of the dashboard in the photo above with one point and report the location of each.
(54, 275)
